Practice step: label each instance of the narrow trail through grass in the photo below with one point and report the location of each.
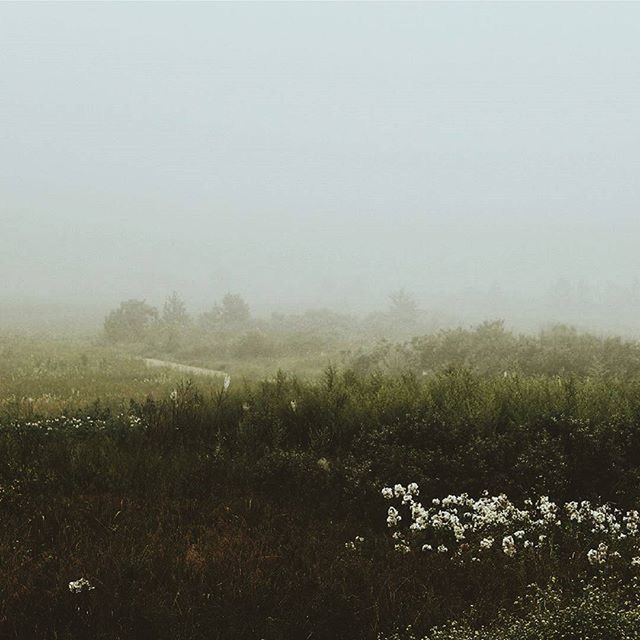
(183, 368)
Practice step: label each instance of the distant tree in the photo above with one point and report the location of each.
(175, 311)
(254, 345)
(403, 306)
(129, 321)
(234, 309)
(211, 319)
(491, 329)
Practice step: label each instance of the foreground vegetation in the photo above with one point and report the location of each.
(140, 504)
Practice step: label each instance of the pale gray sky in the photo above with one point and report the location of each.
(314, 154)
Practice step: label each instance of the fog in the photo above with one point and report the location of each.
(484, 157)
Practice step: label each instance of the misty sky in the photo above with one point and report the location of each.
(316, 154)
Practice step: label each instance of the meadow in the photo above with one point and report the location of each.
(463, 484)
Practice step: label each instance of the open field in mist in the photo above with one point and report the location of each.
(319, 321)
(439, 481)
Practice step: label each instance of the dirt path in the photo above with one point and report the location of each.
(183, 368)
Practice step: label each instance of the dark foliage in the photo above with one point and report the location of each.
(226, 515)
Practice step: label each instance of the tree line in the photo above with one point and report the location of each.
(133, 318)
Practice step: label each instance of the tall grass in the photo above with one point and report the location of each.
(197, 511)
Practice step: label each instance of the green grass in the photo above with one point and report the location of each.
(48, 376)
(224, 514)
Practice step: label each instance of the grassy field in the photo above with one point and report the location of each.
(487, 489)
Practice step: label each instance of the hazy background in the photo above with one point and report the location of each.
(483, 156)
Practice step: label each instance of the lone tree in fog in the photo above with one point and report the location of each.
(234, 309)
(129, 321)
(403, 307)
(175, 311)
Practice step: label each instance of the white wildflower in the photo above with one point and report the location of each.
(599, 555)
(354, 544)
(399, 491)
(393, 517)
(77, 586)
(509, 546)
(486, 543)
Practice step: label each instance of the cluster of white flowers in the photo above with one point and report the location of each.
(599, 555)
(464, 525)
(78, 586)
(509, 546)
(604, 519)
(354, 544)
(486, 543)
(393, 517)
(68, 424)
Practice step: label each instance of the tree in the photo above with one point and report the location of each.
(234, 309)
(211, 319)
(175, 311)
(129, 322)
(403, 307)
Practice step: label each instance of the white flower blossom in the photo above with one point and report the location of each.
(486, 543)
(509, 546)
(399, 491)
(80, 585)
(460, 523)
(599, 555)
(355, 543)
(393, 517)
